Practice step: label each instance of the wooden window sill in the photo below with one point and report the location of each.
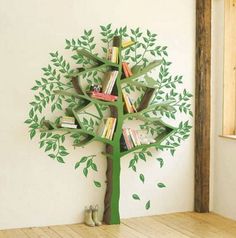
(232, 137)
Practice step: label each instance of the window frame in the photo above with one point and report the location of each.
(229, 89)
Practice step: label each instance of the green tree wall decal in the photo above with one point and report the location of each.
(65, 87)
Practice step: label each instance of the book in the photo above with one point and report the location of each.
(109, 126)
(132, 137)
(128, 103)
(113, 128)
(109, 81)
(66, 125)
(126, 69)
(67, 119)
(103, 96)
(137, 137)
(127, 43)
(126, 138)
(113, 52)
(123, 144)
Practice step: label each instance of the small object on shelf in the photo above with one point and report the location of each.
(96, 88)
(103, 96)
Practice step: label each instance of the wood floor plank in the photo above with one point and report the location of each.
(122, 230)
(150, 227)
(177, 225)
(65, 232)
(95, 232)
(217, 221)
(51, 233)
(192, 227)
(35, 232)
(14, 233)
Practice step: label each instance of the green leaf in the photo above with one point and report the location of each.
(161, 161)
(52, 156)
(31, 113)
(147, 206)
(97, 184)
(135, 197)
(141, 177)
(142, 156)
(161, 185)
(94, 167)
(85, 171)
(28, 121)
(63, 153)
(60, 160)
(32, 133)
(48, 147)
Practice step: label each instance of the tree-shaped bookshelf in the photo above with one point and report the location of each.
(80, 99)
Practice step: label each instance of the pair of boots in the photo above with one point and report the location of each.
(91, 216)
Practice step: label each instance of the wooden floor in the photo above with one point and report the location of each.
(178, 225)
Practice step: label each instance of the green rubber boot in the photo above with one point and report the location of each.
(88, 220)
(95, 215)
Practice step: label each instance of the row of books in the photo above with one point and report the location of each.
(129, 105)
(126, 69)
(107, 128)
(68, 122)
(134, 138)
(113, 50)
(109, 81)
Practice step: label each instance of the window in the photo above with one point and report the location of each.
(229, 110)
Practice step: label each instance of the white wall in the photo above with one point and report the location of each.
(224, 156)
(34, 189)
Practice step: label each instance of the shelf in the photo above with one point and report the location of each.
(79, 131)
(144, 71)
(159, 140)
(86, 97)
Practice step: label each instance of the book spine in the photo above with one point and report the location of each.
(109, 122)
(113, 128)
(137, 137)
(126, 137)
(125, 70)
(105, 129)
(103, 96)
(112, 81)
(68, 125)
(132, 137)
(129, 70)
